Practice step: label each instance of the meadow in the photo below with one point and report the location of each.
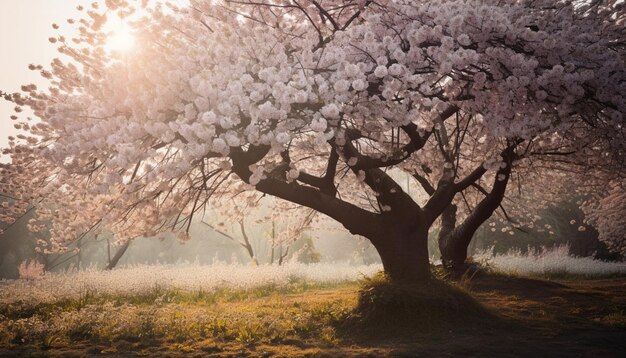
(319, 310)
(552, 262)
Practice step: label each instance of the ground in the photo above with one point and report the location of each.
(523, 317)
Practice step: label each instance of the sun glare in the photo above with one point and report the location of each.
(120, 38)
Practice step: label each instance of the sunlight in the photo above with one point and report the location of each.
(121, 37)
(120, 40)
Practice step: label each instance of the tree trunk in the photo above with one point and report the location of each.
(456, 251)
(118, 255)
(79, 254)
(445, 239)
(282, 256)
(405, 255)
(246, 244)
(454, 240)
(400, 235)
(108, 250)
(454, 243)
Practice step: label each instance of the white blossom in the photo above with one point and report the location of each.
(380, 71)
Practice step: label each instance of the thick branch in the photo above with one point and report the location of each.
(428, 188)
(118, 255)
(326, 184)
(487, 205)
(446, 190)
(471, 178)
(388, 191)
(358, 221)
(416, 143)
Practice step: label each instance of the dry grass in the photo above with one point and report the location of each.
(551, 263)
(518, 317)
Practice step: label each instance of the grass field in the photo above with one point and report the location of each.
(521, 317)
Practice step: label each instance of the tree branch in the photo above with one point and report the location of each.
(358, 221)
(428, 188)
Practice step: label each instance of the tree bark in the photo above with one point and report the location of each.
(405, 255)
(282, 256)
(445, 239)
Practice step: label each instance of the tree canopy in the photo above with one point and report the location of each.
(314, 102)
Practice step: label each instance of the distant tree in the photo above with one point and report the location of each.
(305, 251)
(279, 243)
(16, 243)
(112, 261)
(243, 242)
(314, 103)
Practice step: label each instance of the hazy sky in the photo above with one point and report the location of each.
(25, 26)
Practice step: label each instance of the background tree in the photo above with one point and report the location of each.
(541, 175)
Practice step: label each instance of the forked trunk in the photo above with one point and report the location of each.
(454, 240)
(401, 242)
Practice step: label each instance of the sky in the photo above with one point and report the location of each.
(25, 26)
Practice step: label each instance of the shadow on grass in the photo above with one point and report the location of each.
(443, 319)
(582, 303)
(515, 285)
(386, 309)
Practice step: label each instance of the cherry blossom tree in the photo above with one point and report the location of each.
(548, 169)
(314, 103)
